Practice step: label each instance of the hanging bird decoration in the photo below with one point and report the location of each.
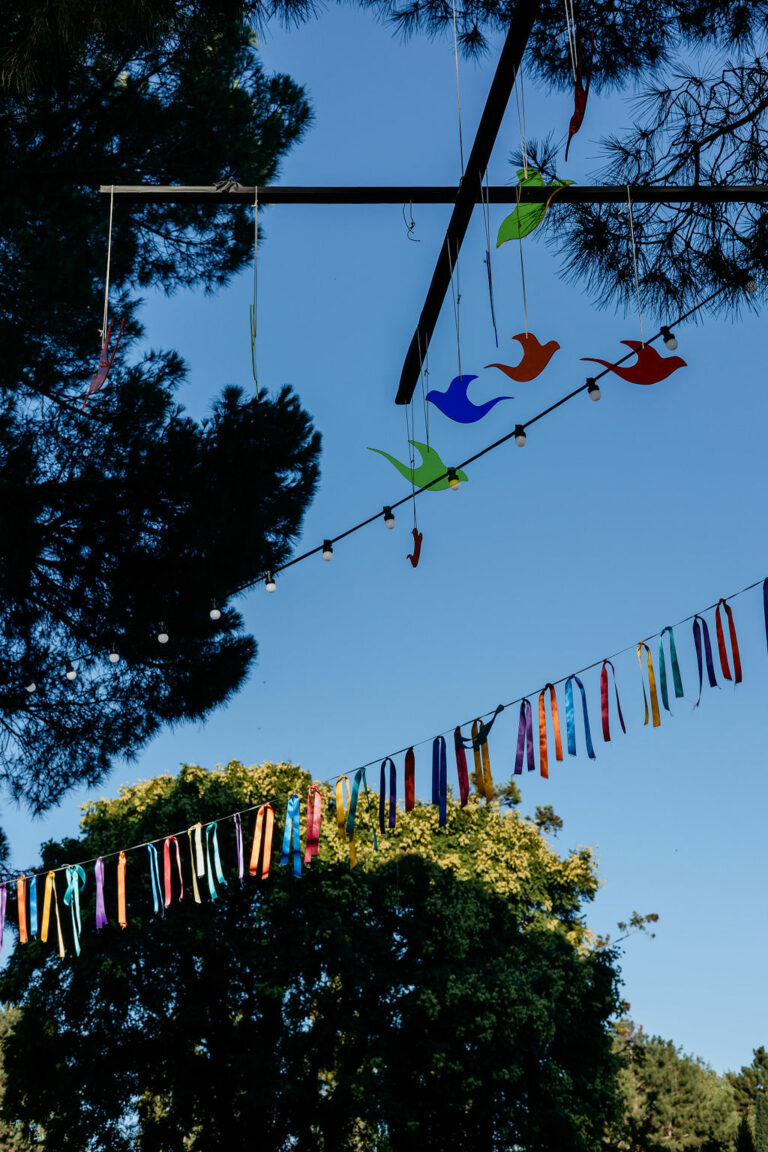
(456, 405)
(536, 356)
(526, 217)
(105, 362)
(428, 471)
(581, 91)
(417, 539)
(649, 368)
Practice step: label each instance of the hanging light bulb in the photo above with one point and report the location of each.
(453, 479)
(270, 583)
(593, 389)
(751, 285)
(389, 519)
(162, 636)
(69, 671)
(31, 687)
(215, 613)
(520, 437)
(670, 340)
(114, 656)
(327, 550)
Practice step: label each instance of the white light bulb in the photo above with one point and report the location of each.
(389, 519)
(594, 393)
(70, 672)
(113, 657)
(31, 687)
(215, 614)
(271, 586)
(520, 438)
(162, 637)
(327, 550)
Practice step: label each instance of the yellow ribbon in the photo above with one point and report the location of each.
(651, 686)
(483, 778)
(341, 818)
(50, 888)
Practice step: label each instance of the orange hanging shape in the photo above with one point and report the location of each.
(122, 919)
(543, 759)
(536, 356)
(21, 898)
(262, 841)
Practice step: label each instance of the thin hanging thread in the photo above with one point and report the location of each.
(254, 305)
(634, 263)
(410, 224)
(105, 319)
(410, 434)
(456, 297)
(458, 86)
(486, 208)
(424, 378)
(522, 272)
(570, 25)
(521, 119)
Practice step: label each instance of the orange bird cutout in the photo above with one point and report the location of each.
(649, 368)
(536, 356)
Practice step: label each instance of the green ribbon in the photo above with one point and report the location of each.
(212, 836)
(676, 678)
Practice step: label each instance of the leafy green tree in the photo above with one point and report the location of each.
(761, 1123)
(750, 1082)
(440, 995)
(744, 1139)
(128, 514)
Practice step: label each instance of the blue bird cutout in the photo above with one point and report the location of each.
(456, 405)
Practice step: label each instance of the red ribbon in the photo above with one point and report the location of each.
(604, 700)
(167, 869)
(543, 761)
(734, 644)
(461, 766)
(410, 780)
(314, 812)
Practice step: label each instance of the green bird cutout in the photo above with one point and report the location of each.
(431, 466)
(526, 217)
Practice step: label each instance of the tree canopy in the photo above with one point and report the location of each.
(440, 995)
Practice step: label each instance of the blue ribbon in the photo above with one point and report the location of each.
(699, 625)
(358, 780)
(75, 877)
(440, 779)
(211, 835)
(292, 828)
(387, 819)
(663, 668)
(154, 875)
(33, 906)
(569, 717)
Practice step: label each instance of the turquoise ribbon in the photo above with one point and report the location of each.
(292, 826)
(676, 677)
(358, 780)
(75, 877)
(569, 717)
(212, 836)
(154, 874)
(33, 906)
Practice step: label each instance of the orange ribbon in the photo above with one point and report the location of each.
(262, 841)
(122, 919)
(543, 762)
(483, 778)
(21, 899)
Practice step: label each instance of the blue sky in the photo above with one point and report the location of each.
(616, 519)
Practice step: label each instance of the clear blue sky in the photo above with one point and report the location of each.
(616, 519)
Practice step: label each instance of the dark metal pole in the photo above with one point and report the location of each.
(467, 194)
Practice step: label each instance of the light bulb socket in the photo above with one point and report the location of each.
(327, 550)
(453, 479)
(269, 582)
(593, 390)
(520, 437)
(389, 518)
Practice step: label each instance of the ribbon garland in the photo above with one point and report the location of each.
(651, 686)
(239, 846)
(292, 826)
(483, 778)
(167, 873)
(154, 875)
(410, 780)
(461, 767)
(734, 643)
(524, 737)
(196, 857)
(543, 760)
(101, 912)
(262, 841)
(569, 717)
(314, 813)
(75, 877)
(341, 818)
(604, 709)
(122, 918)
(50, 894)
(440, 779)
(212, 840)
(699, 626)
(676, 677)
(33, 906)
(360, 778)
(21, 902)
(385, 822)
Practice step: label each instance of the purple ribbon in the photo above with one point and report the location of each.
(697, 630)
(101, 912)
(440, 779)
(3, 901)
(383, 822)
(524, 737)
(239, 843)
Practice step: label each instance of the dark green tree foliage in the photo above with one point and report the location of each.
(395, 1007)
(130, 513)
(761, 1123)
(744, 1139)
(750, 1082)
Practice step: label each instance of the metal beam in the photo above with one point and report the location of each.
(440, 194)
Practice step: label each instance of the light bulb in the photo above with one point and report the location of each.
(31, 687)
(389, 519)
(270, 583)
(162, 636)
(327, 550)
(453, 479)
(69, 672)
(215, 613)
(520, 438)
(670, 340)
(113, 657)
(593, 390)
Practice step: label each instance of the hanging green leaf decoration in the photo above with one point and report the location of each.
(526, 217)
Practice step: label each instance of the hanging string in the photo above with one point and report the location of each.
(570, 25)
(105, 319)
(522, 272)
(486, 209)
(634, 263)
(424, 379)
(254, 305)
(458, 86)
(521, 119)
(456, 297)
(410, 224)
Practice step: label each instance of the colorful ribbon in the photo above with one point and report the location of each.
(314, 813)
(651, 685)
(524, 737)
(122, 918)
(262, 841)
(167, 868)
(154, 875)
(21, 901)
(212, 840)
(33, 906)
(360, 778)
(341, 818)
(676, 677)
(543, 761)
(570, 720)
(734, 643)
(410, 780)
(292, 829)
(50, 894)
(101, 912)
(440, 779)
(385, 822)
(196, 858)
(75, 877)
(604, 700)
(483, 778)
(699, 627)
(239, 846)
(461, 767)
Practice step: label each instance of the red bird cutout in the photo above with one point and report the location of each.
(649, 367)
(105, 362)
(535, 358)
(414, 556)
(581, 93)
